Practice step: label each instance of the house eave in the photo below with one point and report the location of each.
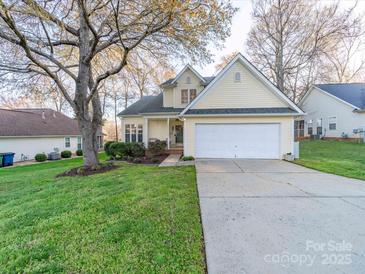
(243, 115)
(41, 136)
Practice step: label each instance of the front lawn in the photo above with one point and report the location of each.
(341, 158)
(136, 219)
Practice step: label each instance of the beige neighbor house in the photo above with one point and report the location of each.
(237, 114)
(27, 132)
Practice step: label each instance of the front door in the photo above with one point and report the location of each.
(179, 135)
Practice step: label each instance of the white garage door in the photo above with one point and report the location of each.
(259, 141)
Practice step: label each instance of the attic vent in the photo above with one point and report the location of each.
(237, 77)
(188, 80)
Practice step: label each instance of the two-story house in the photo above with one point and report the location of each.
(238, 113)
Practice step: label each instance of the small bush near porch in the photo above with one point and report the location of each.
(341, 158)
(135, 219)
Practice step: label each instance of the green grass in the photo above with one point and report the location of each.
(341, 158)
(136, 219)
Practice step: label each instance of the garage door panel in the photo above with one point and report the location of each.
(260, 141)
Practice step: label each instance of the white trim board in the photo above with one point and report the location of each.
(255, 72)
(325, 92)
(188, 66)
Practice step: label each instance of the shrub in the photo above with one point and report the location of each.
(136, 150)
(157, 147)
(107, 147)
(79, 152)
(137, 161)
(119, 149)
(66, 154)
(188, 158)
(40, 157)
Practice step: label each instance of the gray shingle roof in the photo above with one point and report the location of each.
(29, 122)
(240, 111)
(149, 104)
(353, 93)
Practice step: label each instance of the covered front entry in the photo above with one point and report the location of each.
(169, 129)
(256, 141)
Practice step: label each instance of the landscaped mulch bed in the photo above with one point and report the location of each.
(86, 171)
(148, 160)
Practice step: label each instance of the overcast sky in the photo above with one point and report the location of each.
(241, 26)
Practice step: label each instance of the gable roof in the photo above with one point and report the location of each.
(351, 93)
(147, 105)
(32, 122)
(172, 81)
(261, 77)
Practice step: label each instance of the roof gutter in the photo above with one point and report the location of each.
(359, 110)
(243, 115)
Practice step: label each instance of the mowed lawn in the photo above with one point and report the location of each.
(341, 158)
(136, 219)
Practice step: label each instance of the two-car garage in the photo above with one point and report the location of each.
(237, 140)
(239, 137)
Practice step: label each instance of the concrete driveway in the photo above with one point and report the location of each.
(267, 216)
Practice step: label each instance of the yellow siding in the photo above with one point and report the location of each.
(248, 93)
(181, 84)
(129, 120)
(286, 130)
(158, 129)
(168, 97)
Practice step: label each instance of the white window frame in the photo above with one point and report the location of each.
(196, 94)
(134, 129)
(79, 143)
(329, 122)
(67, 142)
(237, 77)
(310, 125)
(187, 96)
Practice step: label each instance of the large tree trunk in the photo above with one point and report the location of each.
(89, 122)
(90, 147)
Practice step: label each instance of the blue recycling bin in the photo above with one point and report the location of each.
(8, 158)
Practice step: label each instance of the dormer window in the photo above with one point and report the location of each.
(237, 77)
(188, 80)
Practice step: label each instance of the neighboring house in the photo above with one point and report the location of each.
(237, 114)
(27, 132)
(333, 111)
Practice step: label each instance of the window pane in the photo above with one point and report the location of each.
(332, 126)
(140, 134)
(127, 138)
(133, 133)
(184, 96)
(67, 142)
(192, 94)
